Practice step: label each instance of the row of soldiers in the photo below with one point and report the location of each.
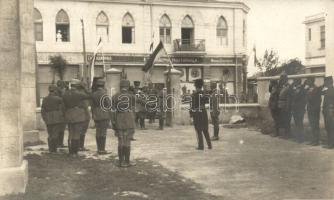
(289, 101)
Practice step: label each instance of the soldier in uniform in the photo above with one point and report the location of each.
(284, 105)
(123, 122)
(101, 114)
(200, 116)
(161, 108)
(61, 88)
(75, 114)
(136, 91)
(141, 108)
(85, 105)
(298, 104)
(313, 106)
(273, 105)
(53, 115)
(214, 110)
(328, 110)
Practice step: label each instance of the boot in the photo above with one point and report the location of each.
(102, 150)
(75, 147)
(215, 134)
(50, 145)
(61, 139)
(161, 124)
(127, 163)
(120, 156)
(54, 143)
(82, 143)
(207, 138)
(98, 144)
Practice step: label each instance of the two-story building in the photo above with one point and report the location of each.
(203, 38)
(315, 43)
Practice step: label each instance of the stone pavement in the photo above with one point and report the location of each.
(244, 164)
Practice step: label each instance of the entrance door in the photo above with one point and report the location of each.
(187, 35)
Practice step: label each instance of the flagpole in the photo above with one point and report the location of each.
(85, 67)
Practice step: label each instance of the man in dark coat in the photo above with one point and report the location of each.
(101, 107)
(313, 106)
(123, 122)
(273, 105)
(61, 89)
(284, 105)
(199, 114)
(75, 115)
(85, 105)
(328, 110)
(161, 107)
(298, 104)
(53, 115)
(214, 110)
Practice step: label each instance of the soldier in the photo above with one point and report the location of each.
(85, 105)
(328, 110)
(284, 105)
(100, 114)
(75, 114)
(273, 105)
(53, 115)
(313, 104)
(199, 115)
(123, 122)
(140, 108)
(136, 91)
(61, 89)
(298, 104)
(161, 108)
(214, 110)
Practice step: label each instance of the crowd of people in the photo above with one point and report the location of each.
(291, 101)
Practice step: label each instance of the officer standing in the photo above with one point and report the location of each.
(136, 91)
(75, 114)
(101, 114)
(200, 116)
(123, 122)
(284, 105)
(85, 105)
(61, 88)
(53, 115)
(214, 110)
(328, 110)
(313, 105)
(273, 105)
(298, 104)
(161, 107)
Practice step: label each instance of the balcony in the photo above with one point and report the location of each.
(186, 45)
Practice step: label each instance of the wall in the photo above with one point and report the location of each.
(330, 38)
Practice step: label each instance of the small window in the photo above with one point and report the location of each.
(102, 27)
(309, 34)
(62, 27)
(128, 29)
(165, 29)
(222, 32)
(322, 37)
(38, 23)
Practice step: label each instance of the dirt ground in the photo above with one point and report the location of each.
(54, 177)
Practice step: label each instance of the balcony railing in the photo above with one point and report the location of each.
(189, 45)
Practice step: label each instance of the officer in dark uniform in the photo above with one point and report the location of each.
(136, 91)
(141, 108)
(284, 105)
(53, 115)
(61, 89)
(75, 114)
(313, 106)
(101, 106)
(200, 116)
(298, 104)
(85, 105)
(214, 110)
(328, 110)
(161, 107)
(273, 105)
(123, 122)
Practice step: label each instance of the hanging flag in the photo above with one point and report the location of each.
(150, 61)
(151, 47)
(92, 67)
(256, 61)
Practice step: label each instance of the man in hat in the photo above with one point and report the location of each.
(298, 104)
(199, 115)
(284, 105)
(313, 106)
(214, 110)
(101, 107)
(75, 114)
(123, 122)
(53, 115)
(273, 105)
(328, 109)
(61, 88)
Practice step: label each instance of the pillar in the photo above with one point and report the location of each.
(329, 20)
(13, 169)
(173, 116)
(113, 80)
(28, 75)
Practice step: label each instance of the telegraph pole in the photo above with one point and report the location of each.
(85, 67)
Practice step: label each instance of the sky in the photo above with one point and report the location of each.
(278, 25)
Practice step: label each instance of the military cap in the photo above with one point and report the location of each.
(199, 83)
(52, 88)
(100, 82)
(124, 83)
(136, 83)
(75, 82)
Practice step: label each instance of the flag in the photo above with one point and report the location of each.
(151, 47)
(150, 61)
(256, 61)
(99, 45)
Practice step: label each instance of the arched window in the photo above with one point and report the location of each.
(38, 23)
(62, 27)
(128, 29)
(187, 30)
(222, 32)
(102, 27)
(165, 29)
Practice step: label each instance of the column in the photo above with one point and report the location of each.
(174, 116)
(113, 80)
(13, 169)
(28, 75)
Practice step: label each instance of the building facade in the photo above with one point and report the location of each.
(330, 38)
(315, 43)
(203, 38)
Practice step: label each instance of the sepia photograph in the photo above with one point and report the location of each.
(166, 99)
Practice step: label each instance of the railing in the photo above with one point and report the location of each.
(189, 45)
